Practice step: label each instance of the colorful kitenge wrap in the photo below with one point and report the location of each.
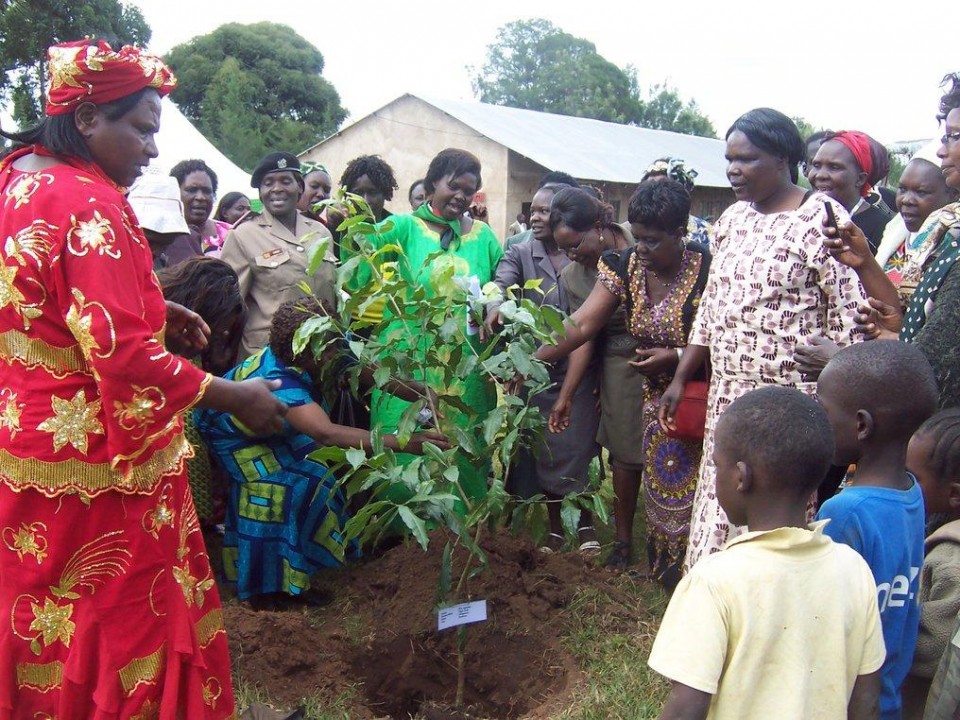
(105, 585)
(473, 256)
(671, 465)
(284, 516)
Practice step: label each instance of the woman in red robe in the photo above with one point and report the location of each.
(104, 580)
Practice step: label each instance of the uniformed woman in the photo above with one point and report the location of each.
(270, 251)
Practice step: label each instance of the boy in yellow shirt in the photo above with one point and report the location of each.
(783, 623)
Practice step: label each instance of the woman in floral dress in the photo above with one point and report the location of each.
(772, 285)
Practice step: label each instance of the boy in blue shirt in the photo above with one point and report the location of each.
(876, 395)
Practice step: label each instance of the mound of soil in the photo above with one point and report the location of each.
(381, 631)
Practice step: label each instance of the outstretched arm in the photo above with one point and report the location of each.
(583, 325)
(310, 419)
(851, 249)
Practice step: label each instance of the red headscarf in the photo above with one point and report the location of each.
(84, 71)
(859, 144)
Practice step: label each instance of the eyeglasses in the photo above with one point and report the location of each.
(950, 137)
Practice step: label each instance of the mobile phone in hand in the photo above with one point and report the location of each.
(831, 217)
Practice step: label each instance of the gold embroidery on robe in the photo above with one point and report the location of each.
(137, 413)
(94, 235)
(149, 711)
(91, 479)
(16, 346)
(79, 320)
(27, 540)
(22, 190)
(209, 626)
(162, 515)
(52, 622)
(212, 692)
(90, 566)
(36, 241)
(10, 412)
(40, 676)
(72, 421)
(194, 588)
(143, 670)
(9, 292)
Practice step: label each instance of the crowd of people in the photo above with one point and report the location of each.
(779, 389)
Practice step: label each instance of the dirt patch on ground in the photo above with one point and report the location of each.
(381, 631)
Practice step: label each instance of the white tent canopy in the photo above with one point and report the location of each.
(179, 140)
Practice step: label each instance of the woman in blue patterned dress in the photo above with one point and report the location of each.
(284, 514)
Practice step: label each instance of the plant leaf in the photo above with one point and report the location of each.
(356, 457)
(417, 526)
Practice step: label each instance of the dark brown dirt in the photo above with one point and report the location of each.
(381, 631)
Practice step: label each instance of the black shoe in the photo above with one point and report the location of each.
(619, 558)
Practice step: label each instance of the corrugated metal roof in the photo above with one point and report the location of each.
(588, 149)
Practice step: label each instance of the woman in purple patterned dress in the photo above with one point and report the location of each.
(772, 286)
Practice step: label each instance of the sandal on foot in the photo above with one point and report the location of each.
(554, 543)
(589, 545)
(619, 558)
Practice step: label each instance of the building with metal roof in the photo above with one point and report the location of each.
(516, 147)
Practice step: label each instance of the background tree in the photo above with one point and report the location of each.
(806, 128)
(255, 88)
(29, 27)
(664, 109)
(536, 66)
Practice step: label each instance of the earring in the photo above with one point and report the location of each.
(601, 240)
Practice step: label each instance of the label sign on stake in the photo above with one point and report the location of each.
(461, 614)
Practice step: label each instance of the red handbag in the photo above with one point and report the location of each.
(690, 417)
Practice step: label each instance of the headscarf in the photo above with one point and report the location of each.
(674, 169)
(84, 71)
(858, 143)
(307, 167)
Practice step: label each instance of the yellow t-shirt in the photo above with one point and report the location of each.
(779, 624)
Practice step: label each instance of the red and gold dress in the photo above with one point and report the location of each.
(105, 585)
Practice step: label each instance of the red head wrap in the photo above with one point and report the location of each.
(84, 71)
(859, 144)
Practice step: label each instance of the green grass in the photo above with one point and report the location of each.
(612, 650)
(314, 708)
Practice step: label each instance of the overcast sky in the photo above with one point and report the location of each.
(843, 65)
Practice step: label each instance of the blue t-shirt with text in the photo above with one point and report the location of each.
(886, 526)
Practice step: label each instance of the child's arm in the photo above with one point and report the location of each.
(312, 420)
(865, 701)
(685, 703)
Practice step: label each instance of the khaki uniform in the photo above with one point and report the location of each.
(270, 261)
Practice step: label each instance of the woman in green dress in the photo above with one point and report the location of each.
(438, 236)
